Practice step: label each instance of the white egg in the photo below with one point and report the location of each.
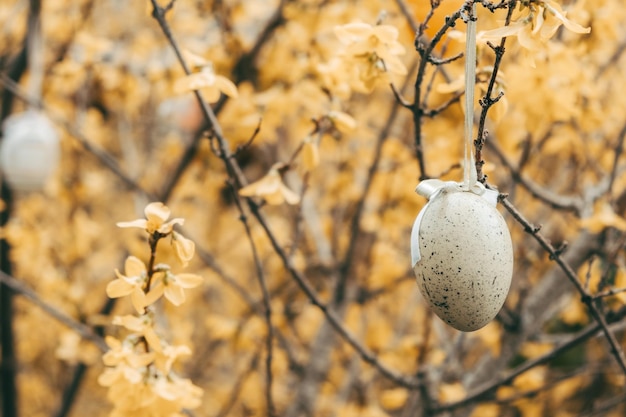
(29, 152)
(465, 258)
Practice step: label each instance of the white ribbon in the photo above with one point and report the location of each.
(431, 189)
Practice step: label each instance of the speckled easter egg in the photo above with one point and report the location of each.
(466, 259)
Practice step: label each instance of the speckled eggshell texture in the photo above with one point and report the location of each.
(466, 259)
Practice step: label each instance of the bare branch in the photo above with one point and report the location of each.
(554, 200)
(269, 340)
(616, 349)
(487, 391)
(236, 173)
(85, 331)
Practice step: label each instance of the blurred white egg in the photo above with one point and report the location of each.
(463, 258)
(29, 152)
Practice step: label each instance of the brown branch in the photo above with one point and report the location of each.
(236, 174)
(488, 391)
(331, 316)
(618, 153)
(554, 200)
(587, 299)
(236, 390)
(85, 331)
(487, 101)
(417, 109)
(355, 225)
(408, 14)
(244, 69)
(269, 340)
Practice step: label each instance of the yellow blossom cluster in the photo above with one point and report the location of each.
(538, 22)
(369, 54)
(139, 367)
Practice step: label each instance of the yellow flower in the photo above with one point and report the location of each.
(173, 285)
(156, 215)
(166, 357)
(536, 27)
(132, 283)
(183, 248)
(370, 53)
(343, 122)
(141, 325)
(271, 188)
(211, 84)
(124, 362)
(180, 391)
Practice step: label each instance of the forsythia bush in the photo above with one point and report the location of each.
(290, 136)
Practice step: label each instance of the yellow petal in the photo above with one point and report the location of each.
(140, 223)
(385, 33)
(211, 93)
(134, 266)
(175, 294)
(494, 35)
(166, 228)
(188, 280)
(109, 377)
(226, 86)
(526, 39)
(269, 184)
(154, 294)
(140, 360)
(118, 288)
(194, 60)
(289, 196)
(556, 10)
(352, 32)
(310, 155)
(152, 338)
(194, 81)
(132, 323)
(342, 121)
(138, 299)
(157, 212)
(395, 65)
(112, 342)
(183, 248)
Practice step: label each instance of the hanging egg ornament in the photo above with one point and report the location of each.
(462, 253)
(29, 152)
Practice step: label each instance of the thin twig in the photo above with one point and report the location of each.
(244, 69)
(408, 14)
(589, 301)
(554, 200)
(307, 287)
(488, 390)
(236, 390)
(355, 225)
(487, 101)
(269, 340)
(618, 153)
(85, 331)
(236, 174)
(417, 109)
